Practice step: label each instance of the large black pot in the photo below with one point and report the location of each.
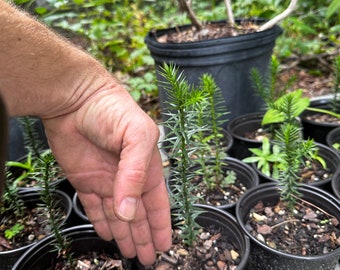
(31, 199)
(263, 257)
(229, 60)
(83, 239)
(317, 130)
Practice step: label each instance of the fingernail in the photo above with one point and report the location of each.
(128, 208)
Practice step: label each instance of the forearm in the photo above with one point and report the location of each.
(40, 73)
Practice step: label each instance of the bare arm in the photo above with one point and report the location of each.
(102, 139)
(40, 73)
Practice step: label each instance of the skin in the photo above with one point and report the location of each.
(105, 143)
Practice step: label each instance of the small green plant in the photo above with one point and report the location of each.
(12, 232)
(43, 174)
(293, 149)
(278, 113)
(26, 168)
(267, 159)
(40, 167)
(336, 146)
(211, 114)
(284, 112)
(267, 87)
(183, 99)
(11, 200)
(32, 141)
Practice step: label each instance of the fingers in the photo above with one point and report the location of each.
(151, 226)
(93, 208)
(158, 214)
(134, 237)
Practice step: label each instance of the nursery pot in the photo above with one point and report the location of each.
(229, 60)
(238, 128)
(32, 198)
(244, 172)
(263, 257)
(313, 129)
(336, 185)
(333, 137)
(79, 209)
(228, 226)
(83, 240)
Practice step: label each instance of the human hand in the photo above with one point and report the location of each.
(108, 149)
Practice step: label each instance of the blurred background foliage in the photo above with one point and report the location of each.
(113, 30)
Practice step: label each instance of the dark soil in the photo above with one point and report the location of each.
(220, 195)
(323, 118)
(305, 231)
(208, 32)
(314, 172)
(95, 261)
(35, 228)
(258, 134)
(211, 251)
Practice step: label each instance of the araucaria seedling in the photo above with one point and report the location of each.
(44, 173)
(211, 115)
(183, 100)
(293, 149)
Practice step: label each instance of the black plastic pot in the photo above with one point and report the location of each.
(229, 60)
(263, 257)
(83, 239)
(229, 227)
(32, 198)
(238, 127)
(336, 185)
(332, 160)
(244, 172)
(333, 137)
(79, 210)
(317, 130)
(226, 222)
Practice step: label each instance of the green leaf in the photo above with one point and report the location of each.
(275, 115)
(41, 10)
(272, 116)
(333, 8)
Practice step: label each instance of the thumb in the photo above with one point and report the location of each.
(132, 179)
